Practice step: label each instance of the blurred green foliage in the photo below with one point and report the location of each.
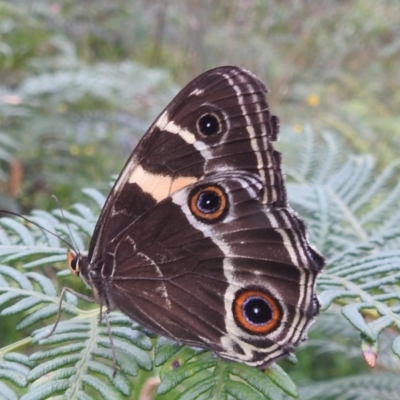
(81, 81)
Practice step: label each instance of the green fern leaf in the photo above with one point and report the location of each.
(164, 350)
(200, 390)
(349, 218)
(14, 369)
(196, 369)
(382, 386)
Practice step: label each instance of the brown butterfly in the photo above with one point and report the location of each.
(196, 240)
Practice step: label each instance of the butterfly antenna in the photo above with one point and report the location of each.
(54, 197)
(39, 226)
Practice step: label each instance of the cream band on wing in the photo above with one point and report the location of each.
(164, 124)
(159, 186)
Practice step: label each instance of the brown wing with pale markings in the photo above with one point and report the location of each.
(218, 122)
(182, 268)
(196, 240)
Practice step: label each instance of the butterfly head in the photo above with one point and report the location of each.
(74, 262)
(78, 265)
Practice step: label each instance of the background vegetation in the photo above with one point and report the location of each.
(82, 80)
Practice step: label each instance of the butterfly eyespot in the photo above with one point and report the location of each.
(209, 124)
(208, 204)
(256, 311)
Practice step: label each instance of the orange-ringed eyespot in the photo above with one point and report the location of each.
(256, 311)
(209, 124)
(208, 203)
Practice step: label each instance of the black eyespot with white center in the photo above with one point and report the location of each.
(208, 203)
(256, 311)
(209, 124)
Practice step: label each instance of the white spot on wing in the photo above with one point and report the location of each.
(164, 124)
(196, 92)
(162, 120)
(186, 135)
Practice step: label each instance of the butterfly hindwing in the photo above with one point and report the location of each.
(185, 275)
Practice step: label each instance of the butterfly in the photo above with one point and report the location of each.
(196, 240)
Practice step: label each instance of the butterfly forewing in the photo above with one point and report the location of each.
(179, 149)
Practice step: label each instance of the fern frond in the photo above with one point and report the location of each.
(382, 386)
(21, 240)
(372, 281)
(312, 160)
(8, 147)
(350, 215)
(79, 359)
(78, 352)
(107, 83)
(362, 277)
(31, 293)
(76, 360)
(204, 376)
(14, 371)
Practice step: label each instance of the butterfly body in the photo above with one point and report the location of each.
(196, 240)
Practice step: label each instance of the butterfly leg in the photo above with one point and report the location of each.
(114, 355)
(77, 294)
